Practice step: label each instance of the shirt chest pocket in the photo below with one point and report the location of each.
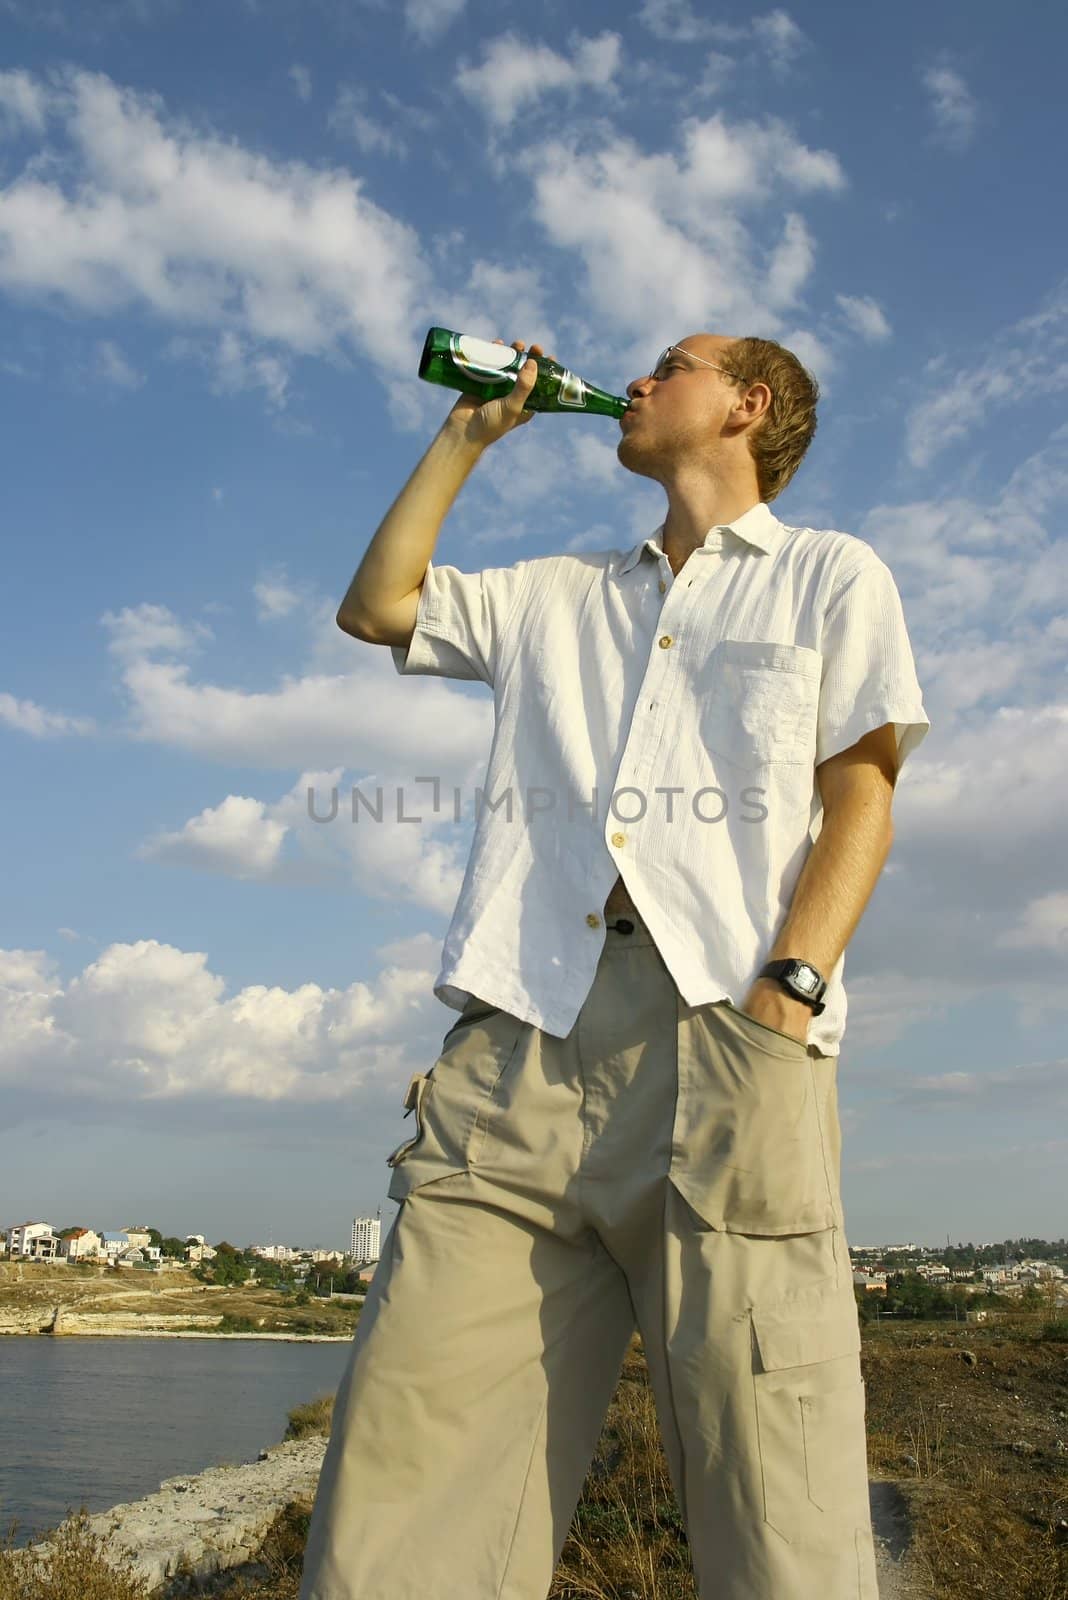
(759, 702)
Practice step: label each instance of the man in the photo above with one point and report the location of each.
(634, 1120)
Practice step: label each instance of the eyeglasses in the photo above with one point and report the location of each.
(662, 358)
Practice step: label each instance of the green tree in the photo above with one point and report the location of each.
(1031, 1298)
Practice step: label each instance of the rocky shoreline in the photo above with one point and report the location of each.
(64, 1322)
(198, 1529)
(198, 1526)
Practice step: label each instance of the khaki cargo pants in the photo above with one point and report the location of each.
(670, 1167)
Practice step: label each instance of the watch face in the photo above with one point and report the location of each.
(807, 978)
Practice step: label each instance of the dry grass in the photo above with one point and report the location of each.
(314, 1417)
(69, 1564)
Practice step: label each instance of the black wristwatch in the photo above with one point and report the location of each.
(800, 979)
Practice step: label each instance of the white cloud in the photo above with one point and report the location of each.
(773, 38)
(28, 717)
(367, 713)
(864, 316)
(715, 74)
(596, 464)
(428, 19)
(275, 596)
(147, 1022)
(676, 22)
(790, 263)
(352, 117)
(302, 82)
(1041, 925)
(515, 74)
(1040, 1085)
(146, 629)
(695, 220)
(1029, 356)
(156, 213)
(113, 367)
(236, 838)
(781, 38)
(952, 105)
(379, 836)
(23, 103)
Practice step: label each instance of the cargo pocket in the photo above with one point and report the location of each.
(749, 1141)
(809, 1399)
(447, 1101)
(418, 1089)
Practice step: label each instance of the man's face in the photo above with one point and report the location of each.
(677, 411)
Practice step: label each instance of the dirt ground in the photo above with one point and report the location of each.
(971, 1422)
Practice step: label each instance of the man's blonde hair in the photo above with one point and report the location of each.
(779, 441)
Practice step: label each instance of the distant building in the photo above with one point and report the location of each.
(113, 1244)
(20, 1237)
(366, 1244)
(82, 1244)
(44, 1247)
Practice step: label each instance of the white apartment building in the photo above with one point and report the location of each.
(22, 1234)
(366, 1242)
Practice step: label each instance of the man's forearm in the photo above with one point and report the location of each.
(396, 560)
(834, 887)
(836, 883)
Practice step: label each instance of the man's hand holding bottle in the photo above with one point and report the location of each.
(481, 422)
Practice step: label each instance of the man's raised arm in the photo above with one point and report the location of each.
(381, 602)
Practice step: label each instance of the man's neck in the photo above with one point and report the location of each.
(691, 516)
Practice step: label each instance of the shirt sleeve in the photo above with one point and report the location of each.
(461, 622)
(869, 675)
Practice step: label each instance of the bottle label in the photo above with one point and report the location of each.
(572, 390)
(483, 359)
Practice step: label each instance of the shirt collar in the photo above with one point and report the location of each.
(758, 526)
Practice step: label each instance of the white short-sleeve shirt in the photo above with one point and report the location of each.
(665, 729)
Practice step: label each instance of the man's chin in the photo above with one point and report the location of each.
(634, 460)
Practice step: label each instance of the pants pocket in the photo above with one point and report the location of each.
(448, 1100)
(763, 1033)
(809, 1401)
(750, 1141)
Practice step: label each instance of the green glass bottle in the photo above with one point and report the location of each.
(486, 370)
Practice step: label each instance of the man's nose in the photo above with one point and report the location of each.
(636, 383)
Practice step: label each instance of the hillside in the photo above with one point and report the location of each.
(38, 1297)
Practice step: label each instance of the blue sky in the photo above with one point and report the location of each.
(224, 232)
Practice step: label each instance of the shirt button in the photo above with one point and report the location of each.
(663, 586)
(593, 920)
(619, 838)
(665, 642)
